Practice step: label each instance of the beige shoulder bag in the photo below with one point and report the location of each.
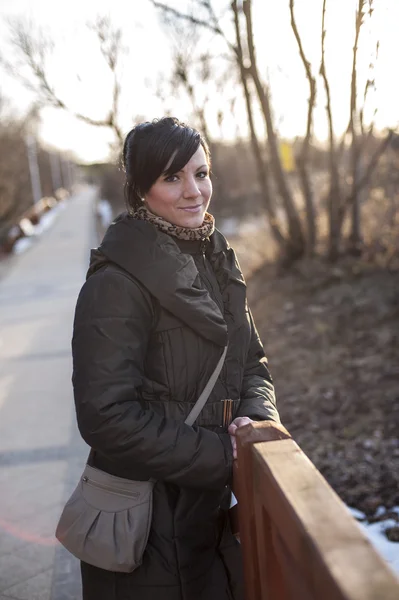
(107, 520)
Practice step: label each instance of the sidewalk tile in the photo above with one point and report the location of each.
(14, 569)
(35, 588)
(44, 555)
(9, 542)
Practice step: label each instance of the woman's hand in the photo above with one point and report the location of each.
(238, 422)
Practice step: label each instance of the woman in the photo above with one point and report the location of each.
(163, 296)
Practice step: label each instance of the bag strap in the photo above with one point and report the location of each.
(199, 405)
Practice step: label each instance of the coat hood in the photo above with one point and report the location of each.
(154, 259)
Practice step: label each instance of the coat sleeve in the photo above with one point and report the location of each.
(258, 401)
(112, 326)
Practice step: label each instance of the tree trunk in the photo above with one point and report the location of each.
(355, 238)
(308, 195)
(304, 176)
(334, 198)
(261, 164)
(297, 241)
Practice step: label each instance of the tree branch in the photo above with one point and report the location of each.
(34, 53)
(111, 47)
(370, 168)
(355, 150)
(186, 17)
(261, 163)
(214, 27)
(311, 79)
(323, 73)
(296, 238)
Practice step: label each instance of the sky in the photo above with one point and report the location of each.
(81, 78)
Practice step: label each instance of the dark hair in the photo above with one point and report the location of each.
(147, 150)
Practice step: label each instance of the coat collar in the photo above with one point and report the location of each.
(154, 259)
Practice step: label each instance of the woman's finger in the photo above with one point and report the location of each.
(232, 428)
(234, 446)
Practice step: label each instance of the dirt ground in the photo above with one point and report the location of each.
(331, 334)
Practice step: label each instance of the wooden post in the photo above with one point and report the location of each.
(244, 486)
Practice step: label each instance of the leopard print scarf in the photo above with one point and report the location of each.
(183, 233)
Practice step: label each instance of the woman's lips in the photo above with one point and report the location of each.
(192, 209)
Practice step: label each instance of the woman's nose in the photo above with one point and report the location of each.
(191, 189)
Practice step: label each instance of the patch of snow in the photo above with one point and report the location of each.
(22, 245)
(376, 534)
(359, 516)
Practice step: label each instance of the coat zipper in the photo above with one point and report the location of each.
(219, 303)
(203, 249)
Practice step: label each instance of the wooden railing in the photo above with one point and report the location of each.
(299, 540)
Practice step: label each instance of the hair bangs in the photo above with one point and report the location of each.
(185, 145)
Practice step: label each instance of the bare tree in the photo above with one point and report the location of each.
(303, 159)
(360, 172)
(263, 170)
(293, 244)
(182, 74)
(15, 183)
(34, 51)
(355, 237)
(334, 198)
(270, 167)
(185, 65)
(296, 239)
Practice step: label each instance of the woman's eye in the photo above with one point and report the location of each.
(171, 178)
(202, 174)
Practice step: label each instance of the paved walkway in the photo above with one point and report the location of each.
(41, 453)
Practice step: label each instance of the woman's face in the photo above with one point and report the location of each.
(183, 198)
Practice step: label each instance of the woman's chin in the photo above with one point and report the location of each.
(192, 221)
